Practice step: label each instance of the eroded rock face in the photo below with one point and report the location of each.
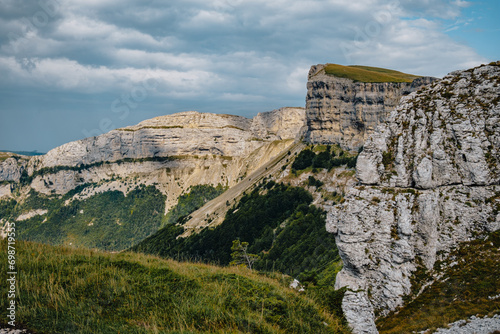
(173, 152)
(183, 134)
(283, 123)
(429, 179)
(11, 169)
(341, 111)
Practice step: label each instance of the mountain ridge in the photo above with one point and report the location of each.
(426, 178)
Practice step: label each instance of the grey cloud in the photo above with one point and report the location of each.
(219, 56)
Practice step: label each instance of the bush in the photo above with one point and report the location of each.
(322, 160)
(313, 182)
(304, 160)
(387, 159)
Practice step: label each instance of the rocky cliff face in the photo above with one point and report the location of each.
(186, 133)
(171, 152)
(341, 111)
(429, 179)
(12, 167)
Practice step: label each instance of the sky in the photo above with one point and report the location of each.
(71, 69)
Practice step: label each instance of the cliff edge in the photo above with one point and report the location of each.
(428, 180)
(344, 104)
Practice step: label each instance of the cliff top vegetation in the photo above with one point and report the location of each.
(368, 74)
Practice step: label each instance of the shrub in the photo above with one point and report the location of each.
(322, 160)
(387, 159)
(313, 182)
(304, 160)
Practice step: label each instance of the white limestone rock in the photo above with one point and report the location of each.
(193, 144)
(5, 191)
(341, 111)
(31, 214)
(429, 179)
(11, 168)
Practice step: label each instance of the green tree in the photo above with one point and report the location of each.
(322, 160)
(303, 160)
(240, 254)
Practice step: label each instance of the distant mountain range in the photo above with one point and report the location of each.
(28, 153)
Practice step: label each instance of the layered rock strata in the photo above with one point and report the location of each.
(342, 111)
(171, 152)
(183, 134)
(428, 180)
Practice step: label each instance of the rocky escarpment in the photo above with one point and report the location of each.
(187, 133)
(342, 111)
(11, 167)
(170, 152)
(429, 179)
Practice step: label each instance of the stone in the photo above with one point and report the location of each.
(342, 111)
(428, 180)
(11, 168)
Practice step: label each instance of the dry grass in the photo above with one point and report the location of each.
(65, 290)
(368, 74)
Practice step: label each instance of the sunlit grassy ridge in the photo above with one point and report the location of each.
(368, 74)
(66, 290)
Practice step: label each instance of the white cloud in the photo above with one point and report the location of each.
(209, 18)
(295, 80)
(243, 56)
(461, 3)
(229, 47)
(65, 74)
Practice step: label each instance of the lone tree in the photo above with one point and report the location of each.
(241, 256)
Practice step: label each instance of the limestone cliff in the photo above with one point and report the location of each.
(429, 179)
(345, 112)
(11, 168)
(186, 133)
(171, 152)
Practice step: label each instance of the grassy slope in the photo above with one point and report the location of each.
(463, 291)
(368, 74)
(66, 290)
(108, 220)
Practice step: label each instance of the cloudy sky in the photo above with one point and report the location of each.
(71, 69)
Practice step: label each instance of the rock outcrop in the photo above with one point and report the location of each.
(429, 179)
(342, 111)
(11, 168)
(183, 134)
(283, 123)
(171, 152)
